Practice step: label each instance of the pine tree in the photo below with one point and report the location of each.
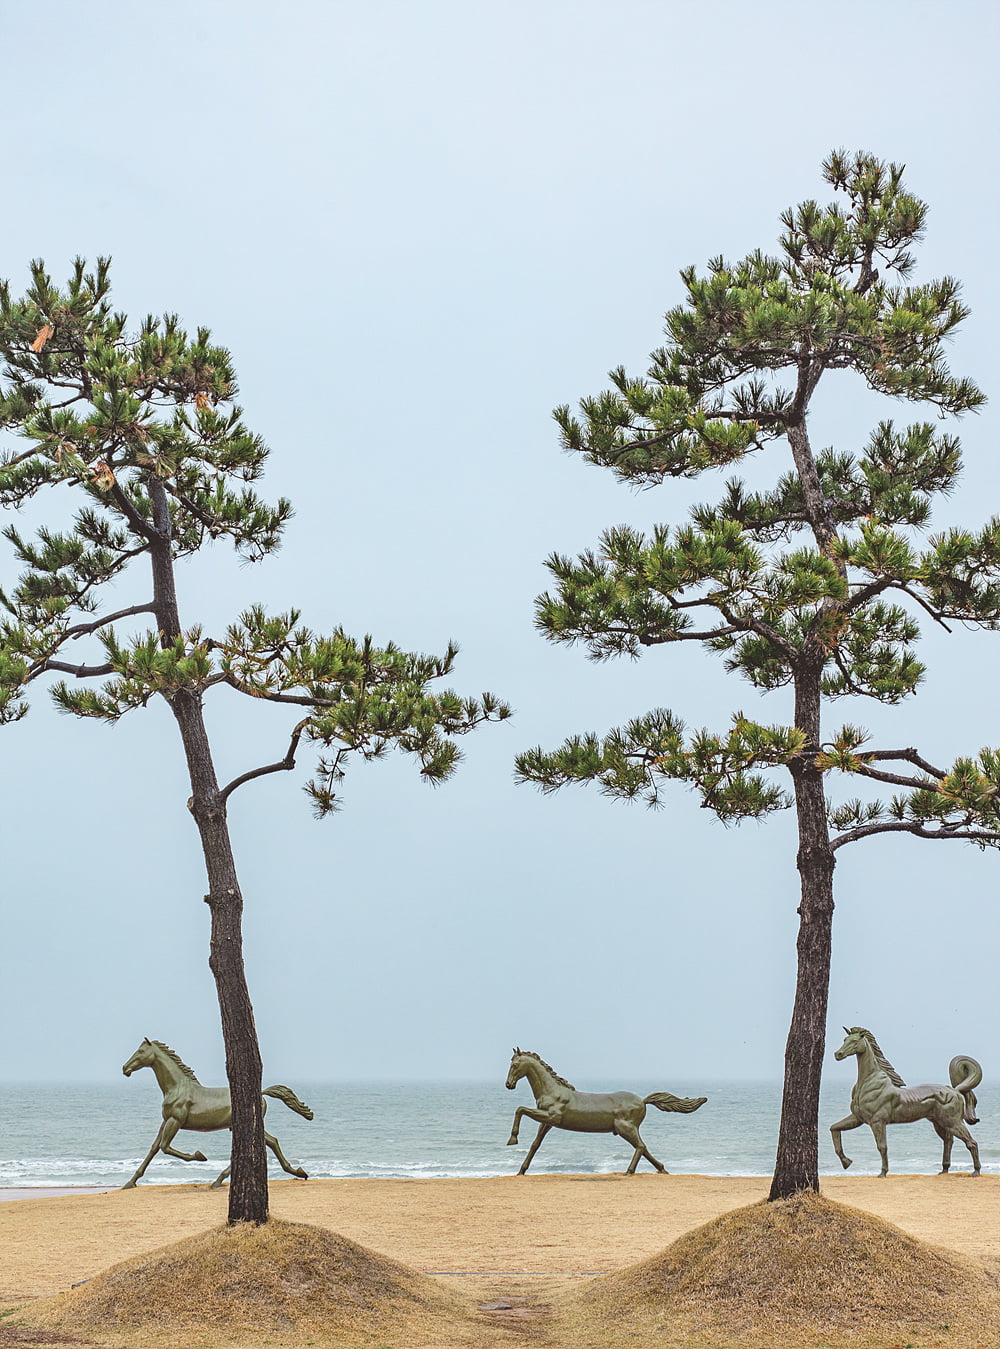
(143, 429)
(813, 586)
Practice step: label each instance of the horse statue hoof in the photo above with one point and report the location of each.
(512, 1141)
(199, 1157)
(847, 1161)
(302, 1175)
(129, 1185)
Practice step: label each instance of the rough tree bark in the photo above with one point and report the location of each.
(248, 1199)
(796, 1165)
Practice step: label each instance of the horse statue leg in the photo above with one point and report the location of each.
(130, 1184)
(543, 1129)
(275, 1147)
(286, 1165)
(960, 1131)
(537, 1115)
(947, 1138)
(851, 1122)
(630, 1132)
(169, 1129)
(878, 1129)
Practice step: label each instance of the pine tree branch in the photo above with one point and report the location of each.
(283, 765)
(680, 636)
(909, 755)
(869, 274)
(138, 522)
(706, 602)
(924, 605)
(868, 592)
(983, 837)
(810, 370)
(204, 519)
(762, 629)
(896, 779)
(20, 458)
(850, 683)
(296, 699)
(77, 671)
(82, 629)
(125, 555)
(715, 415)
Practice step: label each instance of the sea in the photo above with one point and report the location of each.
(95, 1135)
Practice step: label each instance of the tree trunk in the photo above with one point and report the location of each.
(248, 1200)
(797, 1163)
(248, 1183)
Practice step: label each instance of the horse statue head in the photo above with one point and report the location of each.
(142, 1058)
(517, 1069)
(858, 1040)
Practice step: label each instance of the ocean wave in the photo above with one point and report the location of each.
(44, 1173)
(432, 1131)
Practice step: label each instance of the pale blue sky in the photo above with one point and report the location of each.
(419, 227)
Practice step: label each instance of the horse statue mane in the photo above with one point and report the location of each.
(530, 1053)
(172, 1053)
(883, 1062)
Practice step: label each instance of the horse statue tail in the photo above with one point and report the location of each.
(965, 1073)
(288, 1097)
(663, 1100)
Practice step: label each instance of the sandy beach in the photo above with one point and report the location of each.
(498, 1228)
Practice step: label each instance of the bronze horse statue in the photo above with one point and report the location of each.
(881, 1097)
(189, 1105)
(559, 1105)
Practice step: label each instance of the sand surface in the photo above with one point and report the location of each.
(551, 1225)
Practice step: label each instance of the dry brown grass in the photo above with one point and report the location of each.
(804, 1275)
(280, 1283)
(800, 1274)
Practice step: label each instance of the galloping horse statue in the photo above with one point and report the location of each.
(881, 1097)
(189, 1105)
(559, 1105)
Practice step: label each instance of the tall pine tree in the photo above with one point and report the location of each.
(813, 587)
(142, 428)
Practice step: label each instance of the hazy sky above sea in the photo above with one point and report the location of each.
(420, 226)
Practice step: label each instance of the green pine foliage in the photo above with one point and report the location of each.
(108, 413)
(818, 584)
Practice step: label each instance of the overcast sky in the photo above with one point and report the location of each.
(419, 227)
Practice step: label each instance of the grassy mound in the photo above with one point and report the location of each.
(223, 1283)
(799, 1273)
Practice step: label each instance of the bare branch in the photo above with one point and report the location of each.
(901, 827)
(82, 629)
(681, 636)
(283, 765)
(77, 671)
(909, 755)
(896, 779)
